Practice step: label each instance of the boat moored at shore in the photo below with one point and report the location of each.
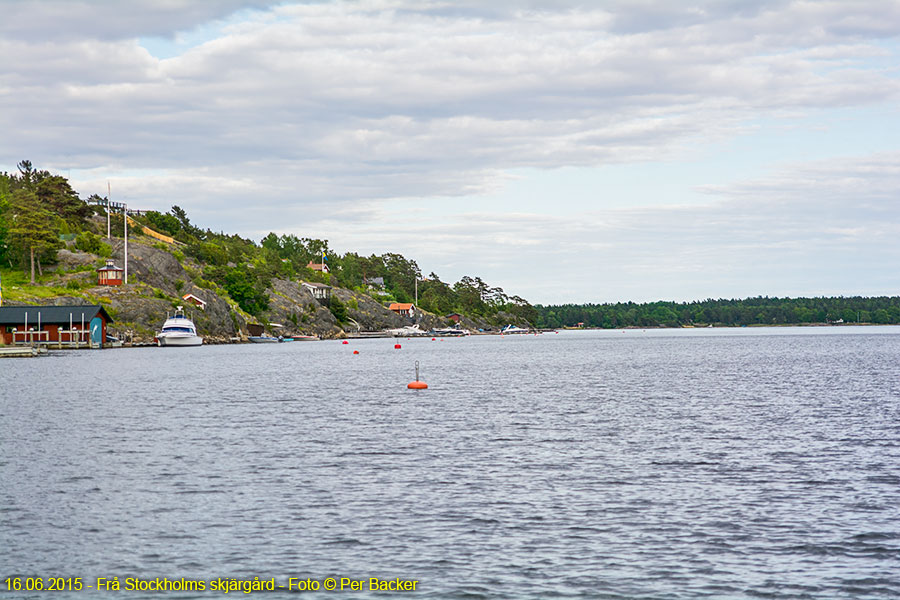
(514, 329)
(178, 330)
(449, 332)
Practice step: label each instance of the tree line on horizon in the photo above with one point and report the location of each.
(39, 209)
(762, 310)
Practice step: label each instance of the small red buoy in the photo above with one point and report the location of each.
(396, 346)
(417, 385)
(345, 342)
(432, 339)
(356, 352)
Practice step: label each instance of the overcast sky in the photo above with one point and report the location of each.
(565, 151)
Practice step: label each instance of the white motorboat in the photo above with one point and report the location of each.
(513, 329)
(178, 330)
(408, 331)
(448, 332)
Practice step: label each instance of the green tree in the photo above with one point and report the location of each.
(54, 193)
(338, 309)
(88, 242)
(4, 216)
(185, 223)
(31, 228)
(242, 288)
(164, 223)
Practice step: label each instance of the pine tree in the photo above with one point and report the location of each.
(31, 228)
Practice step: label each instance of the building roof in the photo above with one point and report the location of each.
(400, 306)
(316, 285)
(193, 297)
(110, 268)
(15, 315)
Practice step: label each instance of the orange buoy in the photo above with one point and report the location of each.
(417, 385)
(396, 346)
(345, 342)
(356, 352)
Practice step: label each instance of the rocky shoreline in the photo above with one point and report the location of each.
(160, 276)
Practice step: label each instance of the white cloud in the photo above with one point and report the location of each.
(330, 114)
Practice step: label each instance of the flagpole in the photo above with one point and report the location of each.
(108, 194)
(125, 213)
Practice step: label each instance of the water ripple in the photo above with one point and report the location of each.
(751, 464)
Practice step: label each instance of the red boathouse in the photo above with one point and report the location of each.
(80, 326)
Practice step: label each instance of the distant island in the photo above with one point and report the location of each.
(883, 310)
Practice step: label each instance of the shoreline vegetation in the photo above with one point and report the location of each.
(52, 242)
(747, 312)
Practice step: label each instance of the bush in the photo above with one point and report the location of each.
(88, 242)
(91, 242)
(338, 309)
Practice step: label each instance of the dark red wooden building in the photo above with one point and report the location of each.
(110, 274)
(84, 326)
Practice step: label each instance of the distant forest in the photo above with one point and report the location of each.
(750, 311)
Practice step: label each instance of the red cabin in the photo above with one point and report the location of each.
(110, 274)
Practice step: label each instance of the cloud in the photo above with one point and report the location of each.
(368, 87)
(66, 20)
(333, 114)
(818, 228)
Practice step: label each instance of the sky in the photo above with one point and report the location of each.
(621, 150)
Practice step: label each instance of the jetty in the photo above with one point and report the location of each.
(21, 352)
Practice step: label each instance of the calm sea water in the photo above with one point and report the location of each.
(748, 463)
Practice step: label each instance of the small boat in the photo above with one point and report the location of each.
(303, 338)
(449, 332)
(178, 330)
(408, 331)
(264, 339)
(513, 329)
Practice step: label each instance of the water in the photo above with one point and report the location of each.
(740, 463)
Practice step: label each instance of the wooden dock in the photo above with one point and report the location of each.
(20, 351)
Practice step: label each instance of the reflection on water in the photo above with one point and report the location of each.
(638, 464)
